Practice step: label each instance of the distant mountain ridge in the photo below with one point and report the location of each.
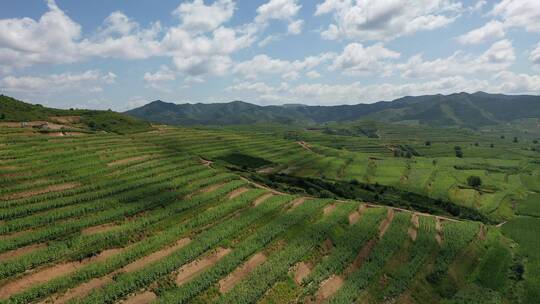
(459, 109)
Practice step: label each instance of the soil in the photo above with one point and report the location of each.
(262, 199)
(305, 145)
(354, 217)
(141, 298)
(54, 134)
(207, 163)
(297, 202)
(99, 229)
(20, 251)
(386, 223)
(140, 263)
(66, 119)
(211, 188)
(413, 231)
(328, 209)
(301, 271)
(46, 274)
(29, 193)
(329, 288)
(82, 290)
(438, 229)
(267, 170)
(482, 233)
(361, 257)
(188, 271)
(241, 272)
(262, 186)
(237, 192)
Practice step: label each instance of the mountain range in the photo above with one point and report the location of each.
(459, 109)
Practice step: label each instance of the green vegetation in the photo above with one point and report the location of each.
(478, 110)
(12, 110)
(474, 181)
(245, 161)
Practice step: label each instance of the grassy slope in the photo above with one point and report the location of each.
(12, 110)
(462, 284)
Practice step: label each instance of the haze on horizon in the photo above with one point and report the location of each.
(123, 54)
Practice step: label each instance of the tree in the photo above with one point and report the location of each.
(515, 139)
(474, 181)
(2, 116)
(535, 141)
(476, 144)
(459, 152)
(428, 143)
(492, 146)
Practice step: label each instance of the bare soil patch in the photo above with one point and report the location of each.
(241, 272)
(267, 170)
(141, 298)
(328, 288)
(52, 188)
(9, 168)
(205, 162)
(11, 124)
(301, 271)
(46, 274)
(82, 290)
(99, 229)
(354, 217)
(127, 160)
(65, 119)
(211, 188)
(386, 223)
(20, 251)
(482, 233)
(305, 145)
(328, 209)
(140, 263)
(54, 134)
(237, 192)
(188, 271)
(413, 230)
(297, 202)
(262, 199)
(438, 229)
(361, 257)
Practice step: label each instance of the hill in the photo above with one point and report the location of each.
(182, 215)
(455, 110)
(14, 111)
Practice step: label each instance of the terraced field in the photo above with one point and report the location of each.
(183, 215)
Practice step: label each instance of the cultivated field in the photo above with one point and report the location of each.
(186, 215)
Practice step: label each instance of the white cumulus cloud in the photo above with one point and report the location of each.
(384, 20)
(357, 59)
(490, 31)
(519, 13)
(89, 81)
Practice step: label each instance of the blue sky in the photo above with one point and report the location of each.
(122, 54)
